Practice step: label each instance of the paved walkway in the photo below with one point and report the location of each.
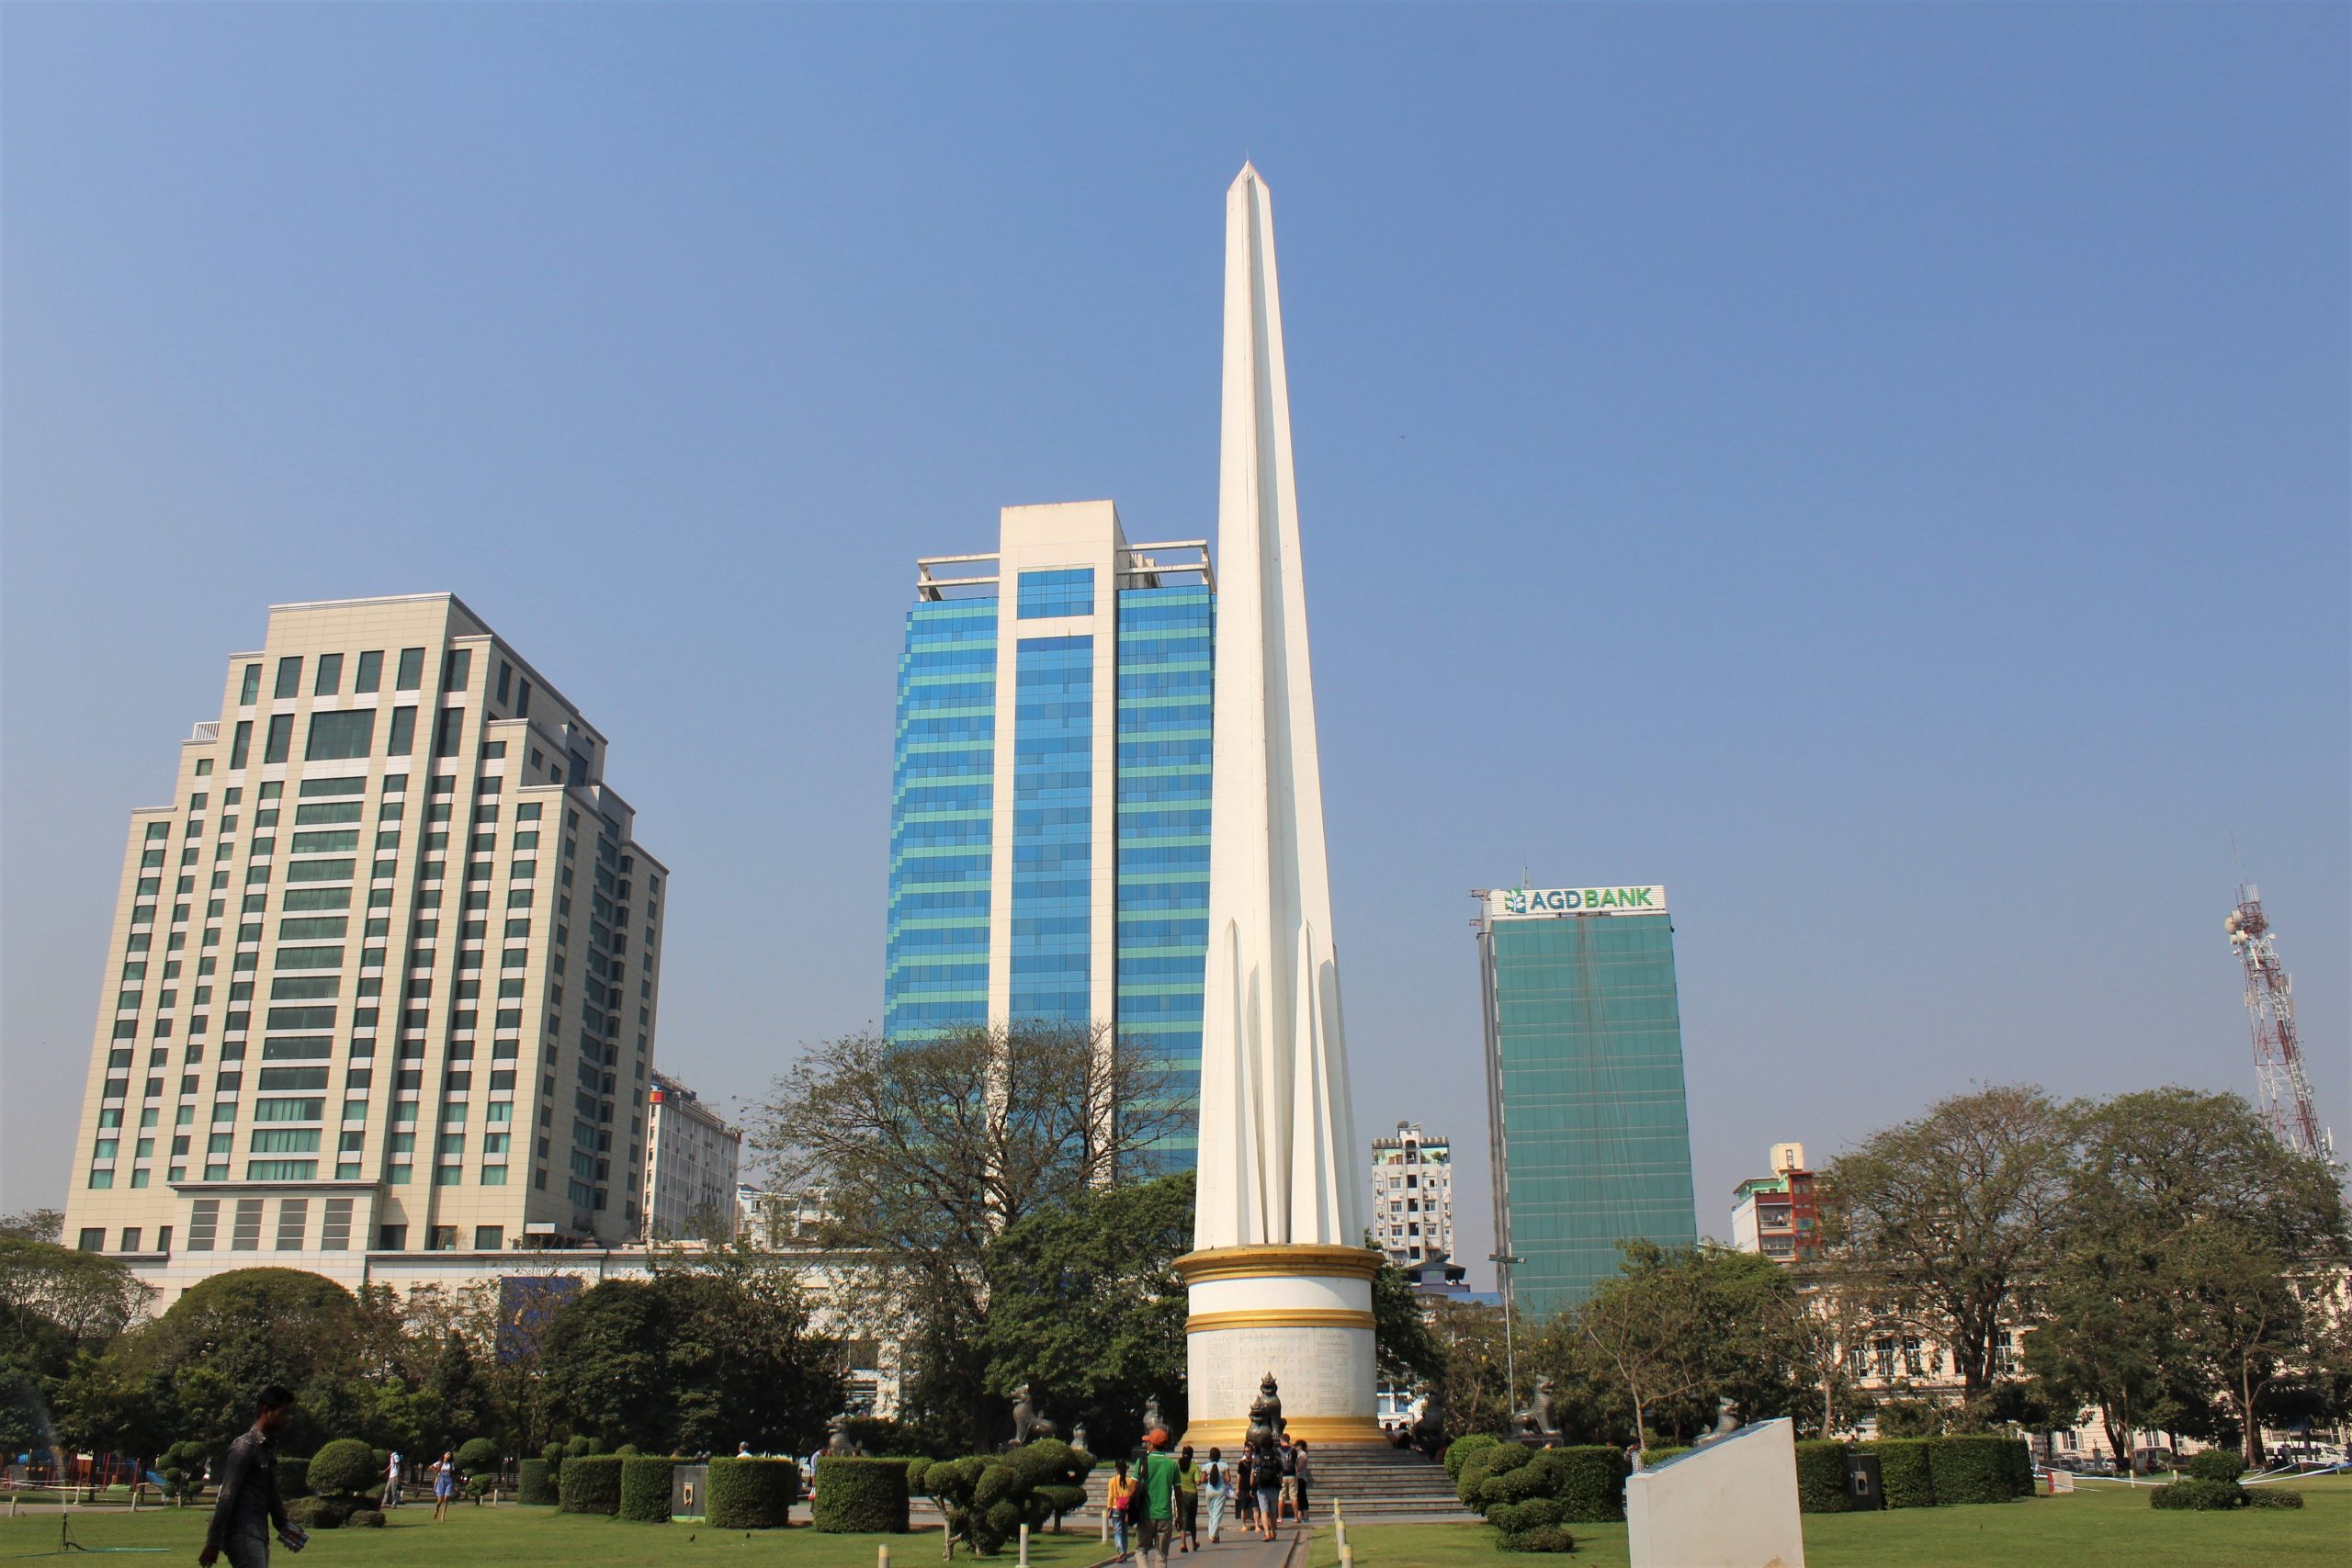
(1238, 1549)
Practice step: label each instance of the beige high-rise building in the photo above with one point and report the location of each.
(384, 972)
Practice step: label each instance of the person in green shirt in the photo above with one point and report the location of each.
(1157, 1479)
(1188, 1502)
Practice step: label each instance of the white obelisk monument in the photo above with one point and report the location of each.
(1280, 1280)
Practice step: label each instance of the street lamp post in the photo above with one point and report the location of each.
(1502, 1262)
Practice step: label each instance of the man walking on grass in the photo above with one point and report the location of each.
(249, 1504)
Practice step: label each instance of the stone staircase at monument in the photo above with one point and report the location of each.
(1371, 1484)
(1376, 1484)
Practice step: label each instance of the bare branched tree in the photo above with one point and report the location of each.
(924, 1151)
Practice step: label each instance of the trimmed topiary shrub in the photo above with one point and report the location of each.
(751, 1493)
(645, 1488)
(1537, 1513)
(988, 1497)
(2214, 1465)
(591, 1483)
(580, 1446)
(537, 1483)
(1821, 1479)
(1653, 1458)
(1551, 1537)
(365, 1519)
(293, 1478)
(1592, 1482)
(479, 1487)
(1463, 1449)
(182, 1470)
(476, 1455)
(1470, 1483)
(345, 1468)
(1905, 1472)
(861, 1497)
(627, 1451)
(1973, 1467)
(319, 1513)
(2201, 1496)
(2271, 1497)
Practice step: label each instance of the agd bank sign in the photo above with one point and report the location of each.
(1531, 903)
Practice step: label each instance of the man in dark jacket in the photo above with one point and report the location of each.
(249, 1504)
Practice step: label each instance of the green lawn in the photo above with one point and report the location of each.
(518, 1538)
(2106, 1528)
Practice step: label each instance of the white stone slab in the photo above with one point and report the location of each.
(1730, 1504)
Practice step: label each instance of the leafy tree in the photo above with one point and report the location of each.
(1472, 1388)
(1086, 1307)
(923, 1152)
(34, 1225)
(1673, 1330)
(57, 1304)
(1400, 1330)
(233, 1334)
(1957, 1210)
(2171, 1286)
(699, 1356)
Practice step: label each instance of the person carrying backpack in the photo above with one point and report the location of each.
(1119, 1500)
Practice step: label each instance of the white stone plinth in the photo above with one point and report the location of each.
(1303, 1313)
(1730, 1504)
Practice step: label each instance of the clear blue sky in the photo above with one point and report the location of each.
(1880, 472)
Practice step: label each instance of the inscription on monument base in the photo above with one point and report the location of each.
(1323, 1371)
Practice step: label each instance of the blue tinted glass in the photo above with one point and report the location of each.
(1053, 816)
(1166, 683)
(936, 971)
(1066, 592)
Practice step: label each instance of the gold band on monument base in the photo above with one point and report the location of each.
(1279, 1262)
(1313, 1428)
(1278, 1317)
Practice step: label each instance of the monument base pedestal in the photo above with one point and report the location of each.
(1302, 1313)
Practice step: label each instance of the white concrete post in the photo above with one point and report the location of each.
(1347, 1556)
(1023, 1562)
(881, 1557)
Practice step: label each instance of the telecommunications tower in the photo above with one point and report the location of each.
(2285, 1089)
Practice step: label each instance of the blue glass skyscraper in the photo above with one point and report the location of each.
(1050, 788)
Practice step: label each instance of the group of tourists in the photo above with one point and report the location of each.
(1154, 1510)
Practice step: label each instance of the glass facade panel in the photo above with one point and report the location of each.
(1587, 1054)
(1053, 828)
(1066, 592)
(941, 794)
(1166, 685)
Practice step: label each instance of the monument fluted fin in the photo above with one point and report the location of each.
(1277, 1146)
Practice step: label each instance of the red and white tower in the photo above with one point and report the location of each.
(2283, 1088)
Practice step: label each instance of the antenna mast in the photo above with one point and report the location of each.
(2283, 1088)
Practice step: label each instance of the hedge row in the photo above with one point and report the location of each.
(858, 1496)
(1905, 1476)
(645, 1488)
(590, 1483)
(1821, 1479)
(750, 1494)
(537, 1484)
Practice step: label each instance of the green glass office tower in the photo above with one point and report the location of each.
(1050, 788)
(1589, 1136)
